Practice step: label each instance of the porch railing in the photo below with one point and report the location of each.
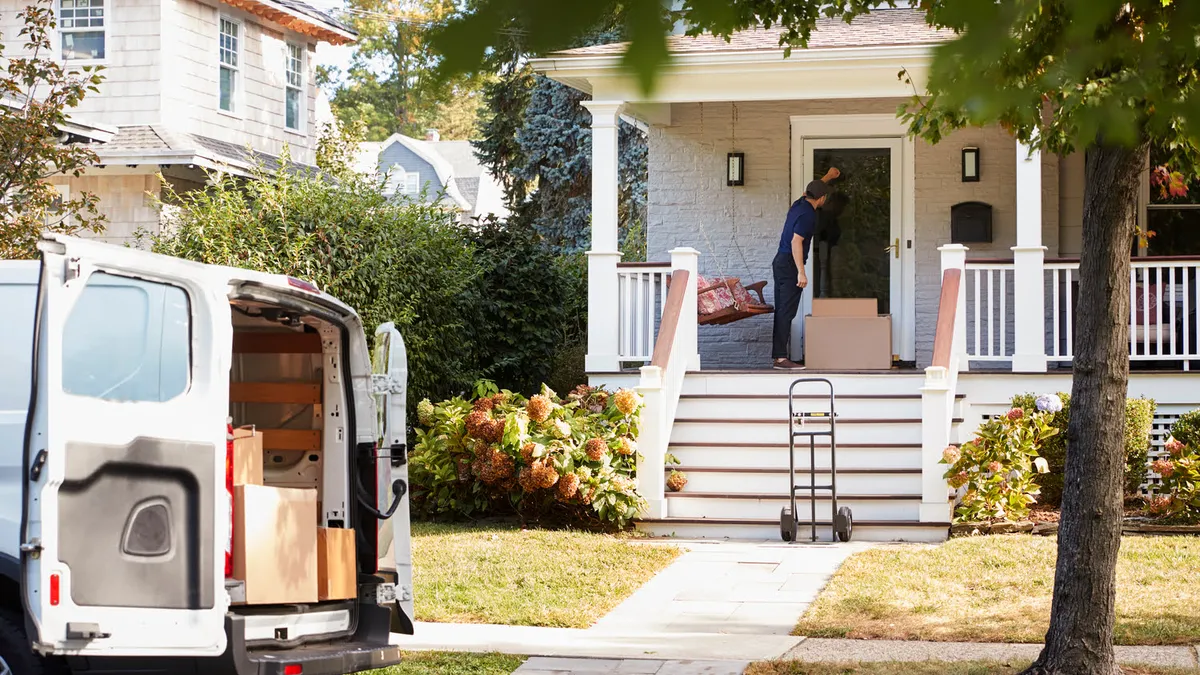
(641, 297)
(989, 316)
(675, 353)
(1164, 296)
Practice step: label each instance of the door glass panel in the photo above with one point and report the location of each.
(852, 256)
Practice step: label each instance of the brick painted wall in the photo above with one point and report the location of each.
(737, 230)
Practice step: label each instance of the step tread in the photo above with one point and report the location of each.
(780, 496)
(808, 397)
(775, 522)
(784, 446)
(859, 471)
(752, 420)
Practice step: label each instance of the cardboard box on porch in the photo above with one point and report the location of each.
(275, 543)
(337, 564)
(247, 456)
(847, 334)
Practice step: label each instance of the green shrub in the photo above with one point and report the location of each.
(566, 461)
(995, 471)
(1139, 417)
(1186, 429)
(527, 307)
(401, 260)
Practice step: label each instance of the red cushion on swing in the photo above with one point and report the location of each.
(715, 299)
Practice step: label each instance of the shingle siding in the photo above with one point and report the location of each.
(690, 205)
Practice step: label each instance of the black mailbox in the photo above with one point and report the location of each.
(970, 222)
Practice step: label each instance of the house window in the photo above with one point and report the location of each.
(81, 29)
(230, 55)
(403, 182)
(1173, 220)
(294, 93)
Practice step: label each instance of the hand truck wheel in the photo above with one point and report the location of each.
(787, 525)
(843, 524)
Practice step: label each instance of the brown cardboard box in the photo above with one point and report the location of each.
(337, 564)
(275, 544)
(845, 307)
(247, 456)
(848, 342)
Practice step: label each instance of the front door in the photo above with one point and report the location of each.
(857, 251)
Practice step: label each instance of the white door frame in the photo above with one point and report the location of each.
(858, 130)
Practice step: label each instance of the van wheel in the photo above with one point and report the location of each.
(16, 656)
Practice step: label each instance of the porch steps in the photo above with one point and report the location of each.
(730, 438)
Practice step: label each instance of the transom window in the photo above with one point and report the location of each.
(81, 29)
(294, 92)
(230, 56)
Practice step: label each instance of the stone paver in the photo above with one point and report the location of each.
(559, 666)
(827, 650)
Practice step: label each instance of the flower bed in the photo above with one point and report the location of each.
(1178, 500)
(549, 459)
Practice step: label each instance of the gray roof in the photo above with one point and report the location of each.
(152, 140)
(461, 157)
(468, 188)
(313, 12)
(880, 28)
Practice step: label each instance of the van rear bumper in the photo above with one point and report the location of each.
(366, 650)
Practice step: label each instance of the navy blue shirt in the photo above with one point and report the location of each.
(801, 220)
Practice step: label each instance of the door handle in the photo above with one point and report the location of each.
(894, 248)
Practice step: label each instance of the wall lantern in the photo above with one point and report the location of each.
(735, 173)
(970, 165)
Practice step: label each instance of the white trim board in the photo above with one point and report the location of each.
(809, 127)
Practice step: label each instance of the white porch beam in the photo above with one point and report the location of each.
(603, 309)
(1029, 305)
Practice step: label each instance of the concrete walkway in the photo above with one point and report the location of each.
(553, 666)
(817, 650)
(720, 600)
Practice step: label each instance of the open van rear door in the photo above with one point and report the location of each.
(124, 524)
(389, 366)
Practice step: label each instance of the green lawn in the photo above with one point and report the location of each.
(920, 668)
(998, 589)
(448, 663)
(503, 575)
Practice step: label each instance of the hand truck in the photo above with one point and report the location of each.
(798, 421)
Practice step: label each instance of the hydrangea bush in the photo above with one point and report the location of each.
(568, 460)
(1179, 496)
(1139, 417)
(994, 472)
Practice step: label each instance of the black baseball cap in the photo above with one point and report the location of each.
(816, 189)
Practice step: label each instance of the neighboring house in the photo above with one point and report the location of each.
(190, 85)
(437, 169)
(980, 310)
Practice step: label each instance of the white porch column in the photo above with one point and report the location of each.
(603, 309)
(1029, 302)
(687, 336)
(937, 408)
(954, 256)
(652, 443)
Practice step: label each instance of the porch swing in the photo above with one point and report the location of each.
(723, 299)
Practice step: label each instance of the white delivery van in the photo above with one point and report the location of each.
(120, 373)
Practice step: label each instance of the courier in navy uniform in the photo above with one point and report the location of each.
(788, 266)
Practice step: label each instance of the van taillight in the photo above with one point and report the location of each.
(55, 589)
(229, 495)
(293, 669)
(303, 285)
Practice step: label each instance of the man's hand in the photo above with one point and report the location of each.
(831, 174)
(802, 279)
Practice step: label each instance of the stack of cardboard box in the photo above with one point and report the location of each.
(847, 334)
(279, 553)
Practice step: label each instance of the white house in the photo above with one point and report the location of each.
(437, 169)
(189, 85)
(978, 313)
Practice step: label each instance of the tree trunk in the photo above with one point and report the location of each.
(1080, 639)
